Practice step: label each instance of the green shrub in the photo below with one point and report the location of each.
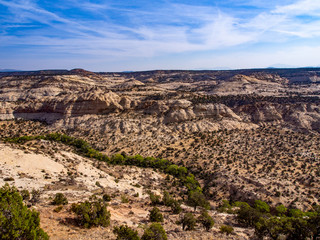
(125, 233)
(154, 232)
(91, 214)
(196, 198)
(155, 199)
(281, 210)
(261, 206)
(16, 220)
(248, 216)
(58, 209)
(296, 213)
(166, 199)
(155, 215)
(188, 221)
(225, 206)
(226, 229)
(206, 220)
(106, 197)
(175, 207)
(60, 199)
(124, 199)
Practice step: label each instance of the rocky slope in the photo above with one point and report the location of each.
(162, 113)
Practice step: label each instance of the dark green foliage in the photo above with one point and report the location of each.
(118, 159)
(154, 232)
(226, 229)
(206, 220)
(248, 216)
(314, 222)
(106, 197)
(295, 225)
(175, 207)
(176, 171)
(281, 210)
(16, 220)
(167, 199)
(125, 233)
(292, 228)
(261, 206)
(191, 183)
(91, 214)
(225, 207)
(155, 199)
(188, 221)
(296, 213)
(155, 215)
(60, 199)
(196, 198)
(25, 194)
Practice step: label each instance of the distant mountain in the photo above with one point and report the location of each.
(279, 65)
(9, 70)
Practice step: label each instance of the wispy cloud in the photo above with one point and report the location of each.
(114, 30)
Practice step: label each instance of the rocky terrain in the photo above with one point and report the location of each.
(245, 134)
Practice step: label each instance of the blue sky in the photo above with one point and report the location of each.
(166, 34)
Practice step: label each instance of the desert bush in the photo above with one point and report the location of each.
(206, 220)
(225, 206)
(175, 207)
(58, 209)
(60, 199)
(8, 179)
(196, 198)
(16, 220)
(154, 232)
(124, 199)
(155, 215)
(226, 229)
(188, 221)
(155, 199)
(125, 233)
(166, 199)
(91, 214)
(106, 197)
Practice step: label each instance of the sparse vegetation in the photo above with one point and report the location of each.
(226, 229)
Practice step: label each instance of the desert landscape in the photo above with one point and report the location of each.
(245, 135)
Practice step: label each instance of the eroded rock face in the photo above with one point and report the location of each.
(133, 97)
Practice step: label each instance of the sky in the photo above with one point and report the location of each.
(135, 35)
